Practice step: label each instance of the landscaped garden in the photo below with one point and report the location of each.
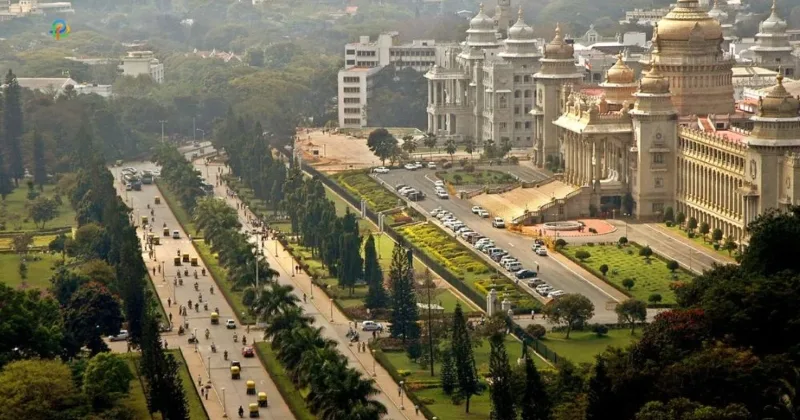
(465, 265)
(583, 346)
(14, 210)
(365, 187)
(39, 242)
(703, 240)
(628, 269)
(475, 177)
(40, 268)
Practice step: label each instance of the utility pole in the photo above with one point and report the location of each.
(162, 130)
(194, 129)
(429, 286)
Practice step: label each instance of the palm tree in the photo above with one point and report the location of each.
(345, 393)
(312, 362)
(469, 146)
(287, 320)
(302, 341)
(273, 300)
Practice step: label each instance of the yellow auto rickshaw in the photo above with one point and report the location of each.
(194, 262)
(186, 258)
(157, 200)
(236, 372)
(253, 410)
(166, 232)
(177, 261)
(251, 388)
(214, 318)
(145, 219)
(262, 399)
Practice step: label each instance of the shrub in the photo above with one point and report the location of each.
(680, 218)
(691, 224)
(716, 236)
(669, 224)
(623, 240)
(604, 269)
(716, 246)
(669, 215)
(536, 331)
(582, 255)
(646, 252)
(600, 329)
(628, 283)
(690, 235)
(672, 265)
(560, 243)
(654, 298)
(592, 230)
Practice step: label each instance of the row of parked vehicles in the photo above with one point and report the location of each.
(409, 192)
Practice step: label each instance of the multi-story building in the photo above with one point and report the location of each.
(355, 88)
(34, 7)
(483, 89)
(142, 62)
(772, 49)
(674, 138)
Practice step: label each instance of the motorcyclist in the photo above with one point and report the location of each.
(244, 340)
(208, 333)
(196, 286)
(195, 273)
(197, 307)
(235, 338)
(211, 290)
(225, 355)
(241, 411)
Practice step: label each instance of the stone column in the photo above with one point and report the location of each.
(430, 92)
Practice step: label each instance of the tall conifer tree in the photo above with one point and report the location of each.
(502, 392)
(404, 301)
(373, 275)
(12, 127)
(464, 360)
(535, 402)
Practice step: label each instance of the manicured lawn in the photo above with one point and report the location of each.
(478, 177)
(650, 277)
(583, 346)
(136, 400)
(707, 243)
(233, 297)
(422, 385)
(40, 268)
(39, 241)
(361, 185)
(294, 398)
(196, 409)
(183, 216)
(16, 205)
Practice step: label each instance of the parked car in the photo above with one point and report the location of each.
(542, 252)
(435, 212)
(416, 196)
(399, 187)
(476, 209)
(499, 223)
(431, 165)
(439, 184)
(442, 194)
(507, 258)
(230, 324)
(536, 246)
(555, 294)
(410, 166)
(371, 326)
(483, 214)
(248, 351)
(122, 336)
(513, 266)
(535, 282)
(544, 289)
(538, 242)
(525, 274)
(381, 170)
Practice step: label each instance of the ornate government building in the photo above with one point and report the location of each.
(673, 138)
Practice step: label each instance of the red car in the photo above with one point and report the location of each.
(248, 352)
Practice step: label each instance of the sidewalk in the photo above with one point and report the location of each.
(335, 324)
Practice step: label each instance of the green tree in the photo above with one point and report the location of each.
(729, 244)
(682, 408)
(404, 314)
(669, 214)
(571, 310)
(12, 126)
(680, 218)
(716, 235)
(106, 377)
(450, 148)
(505, 147)
(43, 210)
(469, 145)
(630, 312)
(6, 187)
(603, 269)
(600, 396)
(672, 265)
(582, 255)
(350, 263)
(382, 144)
(646, 252)
(429, 140)
(691, 224)
(31, 325)
(622, 240)
(704, 229)
(409, 144)
(628, 283)
(501, 388)
(373, 276)
(21, 243)
(23, 272)
(654, 298)
(463, 358)
(39, 162)
(448, 377)
(255, 57)
(37, 389)
(535, 402)
(92, 311)
(457, 179)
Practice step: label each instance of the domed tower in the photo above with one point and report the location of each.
(481, 32)
(557, 69)
(773, 167)
(620, 84)
(652, 156)
(521, 43)
(722, 16)
(687, 52)
(772, 47)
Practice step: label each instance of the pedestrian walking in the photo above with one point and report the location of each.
(169, 302)
(199, 380)
(170, 317)
(416, 409)
(399, 390)
(166, 345)
(206, 394)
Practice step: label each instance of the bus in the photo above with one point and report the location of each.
(147, 177)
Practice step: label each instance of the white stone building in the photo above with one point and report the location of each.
(355, 88)
(142, 62)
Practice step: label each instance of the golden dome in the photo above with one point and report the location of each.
(688, 21)
(653, 82)
(778, 103)
(620, 73)
(557, 48)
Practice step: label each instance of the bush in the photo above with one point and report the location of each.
(690, 235)
(582, 255)
(716, 246)
(628, 283)
(592, 230)
(604, 269)
(672, 265)
(560, 243)
(646, 252)
(654, 298)
(600, 329)
(536, 331)
(669, 224)
(669, 215)
(680, 218)
(623, 240)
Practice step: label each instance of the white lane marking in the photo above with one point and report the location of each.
(511, 244)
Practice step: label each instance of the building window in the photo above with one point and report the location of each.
(352, 90)
(517, 79)
(527, 124)
(516, 109)
(517, 126)
(352, 100)
(503, 101)
(658, 158)
(658, 207)
(658, 182)
(352, 121)
(527, 93)
(503, 126)
(352, 110)
(351, 62)
(527, 109)
(517, 94)
(350, 79)
(526, 79)
(351, 52)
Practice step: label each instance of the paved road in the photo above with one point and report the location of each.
(334, 324)
(564, 276)
(200, 359)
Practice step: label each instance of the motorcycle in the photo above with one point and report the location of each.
(181, 331)
(195, 273)
(200, 298)
(225, 355)
(197, 307)
(213, 348)
(204, 272)
(205, 306)
(192, 339)
(208, 333)
(186, 272)
(180, 282)
(211, 290)
(235, 338)
(244, 340)
(196, 286)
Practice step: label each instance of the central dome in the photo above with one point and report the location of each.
(620, 73)
(520, 30)
(687, 20)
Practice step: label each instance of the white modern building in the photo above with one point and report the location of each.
(142, 62)
(419, 54)
(355, 88)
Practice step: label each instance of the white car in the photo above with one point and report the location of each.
(476, 209)
(513, 266)
(230, 324)
(371, 326)
(404, 190)
(483, 214)
(122, 336)
(176, 234)
(466, 234)
(541, 251)
(439, 184)
(499, 223)
(381, 170)
(435, 212)
(442, 194)
(129, 170)
(410, 166)
(419, 165)
(431, 165)
(555, 294)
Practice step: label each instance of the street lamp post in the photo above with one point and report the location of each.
(402, 407)
(162, 130)
(203, 133)
(374, 371)
(208, 368)
(331, 310)
(224, 411)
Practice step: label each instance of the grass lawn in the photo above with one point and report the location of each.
(478, 177)
(442, 407)
(196, 409)
(183, 216)
(39, 272)
(233, 297)
(652, 277)
(39, 241)
(342, 206)
(698, 239)
(136, 400)
(294, 398)
(16, 208)
(363, 186)
(582, 346)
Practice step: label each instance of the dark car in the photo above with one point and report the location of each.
(248, 352)
(525, 274)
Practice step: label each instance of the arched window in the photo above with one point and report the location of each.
(517, 94)
(527, 93)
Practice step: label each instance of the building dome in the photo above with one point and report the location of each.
(653, 82)
(774, 24)
(481, 21)
(717, 13)
(688, 21)
(520, 30)
(778, 103)
(620, 73)
(557, 48)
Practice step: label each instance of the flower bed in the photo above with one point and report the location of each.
(361, 185)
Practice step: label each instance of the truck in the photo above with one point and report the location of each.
(147, 177)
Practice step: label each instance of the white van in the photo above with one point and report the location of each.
(513, 266)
